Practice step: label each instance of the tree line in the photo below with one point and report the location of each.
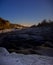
(5, 24)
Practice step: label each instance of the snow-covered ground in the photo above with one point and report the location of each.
(37, 33)
(7, 58)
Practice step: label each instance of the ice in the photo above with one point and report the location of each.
(3, 51)
(23, 35)
(21, 59)
(7, 60)
(38, 38)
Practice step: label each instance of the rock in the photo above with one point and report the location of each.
(3, 51)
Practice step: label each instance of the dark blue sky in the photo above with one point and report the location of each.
(26, 11)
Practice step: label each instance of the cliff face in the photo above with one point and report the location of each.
(5, 24)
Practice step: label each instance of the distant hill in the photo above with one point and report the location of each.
(44, 23)
(5, 24)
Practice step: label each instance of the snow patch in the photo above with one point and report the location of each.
(21, 59)
(3, 51)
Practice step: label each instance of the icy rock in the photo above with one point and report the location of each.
(3, 51)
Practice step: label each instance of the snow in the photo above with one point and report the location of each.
(37, 33)
(21, 59)
(3, 51)
(38, 38)
(7, 60)
(23, 35)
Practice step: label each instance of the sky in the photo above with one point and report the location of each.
(26, 12)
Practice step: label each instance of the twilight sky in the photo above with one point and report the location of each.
(26, 11)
